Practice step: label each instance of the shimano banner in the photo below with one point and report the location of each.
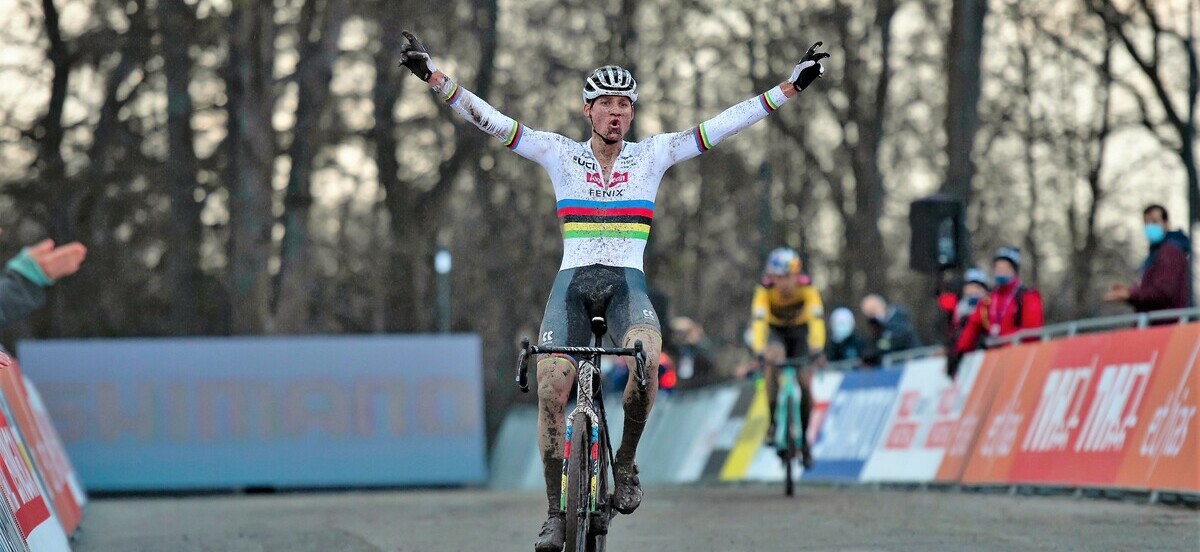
(148, 414)
(856, 418)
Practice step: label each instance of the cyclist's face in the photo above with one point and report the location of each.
(610, 116)
(785, 283)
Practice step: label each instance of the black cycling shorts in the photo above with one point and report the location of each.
(793, 339)
(617, 294)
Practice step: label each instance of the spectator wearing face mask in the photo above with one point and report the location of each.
(1009, 308)
(844, 343)
(958, 306)
(958, 309)
(891, 329)
(1165, 281)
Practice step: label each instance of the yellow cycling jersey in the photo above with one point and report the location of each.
(772, 308)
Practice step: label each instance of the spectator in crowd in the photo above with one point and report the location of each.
(844, 343)
(694, 351)
(891, 329)
(23, 283)
(958, 307)
(1166, 280)
(1009, 308)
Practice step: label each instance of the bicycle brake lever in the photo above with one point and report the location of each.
(640, 358)
(523, 366)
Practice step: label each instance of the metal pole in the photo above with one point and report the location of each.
(764, 214)
(442, 266)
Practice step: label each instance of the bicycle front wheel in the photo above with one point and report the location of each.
(789, 455)
(599, 523)
(577, 486)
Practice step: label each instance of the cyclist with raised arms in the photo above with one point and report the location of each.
(787, 320)
(605, 188)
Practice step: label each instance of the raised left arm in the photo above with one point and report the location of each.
(685, 145)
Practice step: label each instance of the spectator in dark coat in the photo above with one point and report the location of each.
(1166, 280)
(34, 268)
(891, 329)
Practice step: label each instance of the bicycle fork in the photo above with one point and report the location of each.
(788, 387)
(583, 407)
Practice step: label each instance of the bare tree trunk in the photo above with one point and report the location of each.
(868, 112)
(415, 242)
(314, 70)
(1030, 138)
(175, 22)
(250, 104)
(51, 167)
(1083, 264)
(1184, 124)
(624, 40)
(962, 98)
(386, 95)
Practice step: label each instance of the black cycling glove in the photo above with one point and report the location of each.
(809, 68)
(416, 58)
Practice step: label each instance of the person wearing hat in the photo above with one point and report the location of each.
(1009, 308)
(958, 306)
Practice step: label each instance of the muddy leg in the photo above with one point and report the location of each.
(555, 375)
(637, 402)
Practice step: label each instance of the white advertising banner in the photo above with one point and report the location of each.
(928, 405)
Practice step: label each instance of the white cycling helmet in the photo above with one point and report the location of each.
(610, 80)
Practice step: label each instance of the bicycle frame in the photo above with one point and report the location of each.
(788, 386)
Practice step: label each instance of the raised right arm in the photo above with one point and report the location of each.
(533, 145)
(530, 144)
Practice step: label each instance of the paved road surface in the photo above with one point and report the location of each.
(677, 519)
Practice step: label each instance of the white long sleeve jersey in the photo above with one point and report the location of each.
(607, 221)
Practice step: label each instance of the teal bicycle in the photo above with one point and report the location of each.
(789, 440)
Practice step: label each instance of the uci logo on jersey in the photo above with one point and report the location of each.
(585, 163)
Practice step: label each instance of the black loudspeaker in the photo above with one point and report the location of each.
(939, 234)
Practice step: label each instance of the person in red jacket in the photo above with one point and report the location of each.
(957, 307)
(1166, 273)
(1009, 308)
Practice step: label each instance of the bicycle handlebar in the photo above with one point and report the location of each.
(636, 351)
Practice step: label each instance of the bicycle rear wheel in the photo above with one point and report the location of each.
(577, 486)
(789, 451)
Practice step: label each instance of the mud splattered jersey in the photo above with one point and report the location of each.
(607, 221)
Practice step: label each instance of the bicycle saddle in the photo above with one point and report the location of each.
(599, 326)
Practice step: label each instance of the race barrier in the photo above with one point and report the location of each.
(1112, 410)
(42, 499)
(219, 413)
(1115, 410)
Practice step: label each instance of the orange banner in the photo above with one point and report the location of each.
(962, 435)
(1162, 450)
(1086, 403)
(1107, 410)
(1020, 367)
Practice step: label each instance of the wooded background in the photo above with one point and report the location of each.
(258, 167)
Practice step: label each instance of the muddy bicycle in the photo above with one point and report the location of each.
(587, 452)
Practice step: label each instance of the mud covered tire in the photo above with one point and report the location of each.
(789, 451)
(577, 487)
